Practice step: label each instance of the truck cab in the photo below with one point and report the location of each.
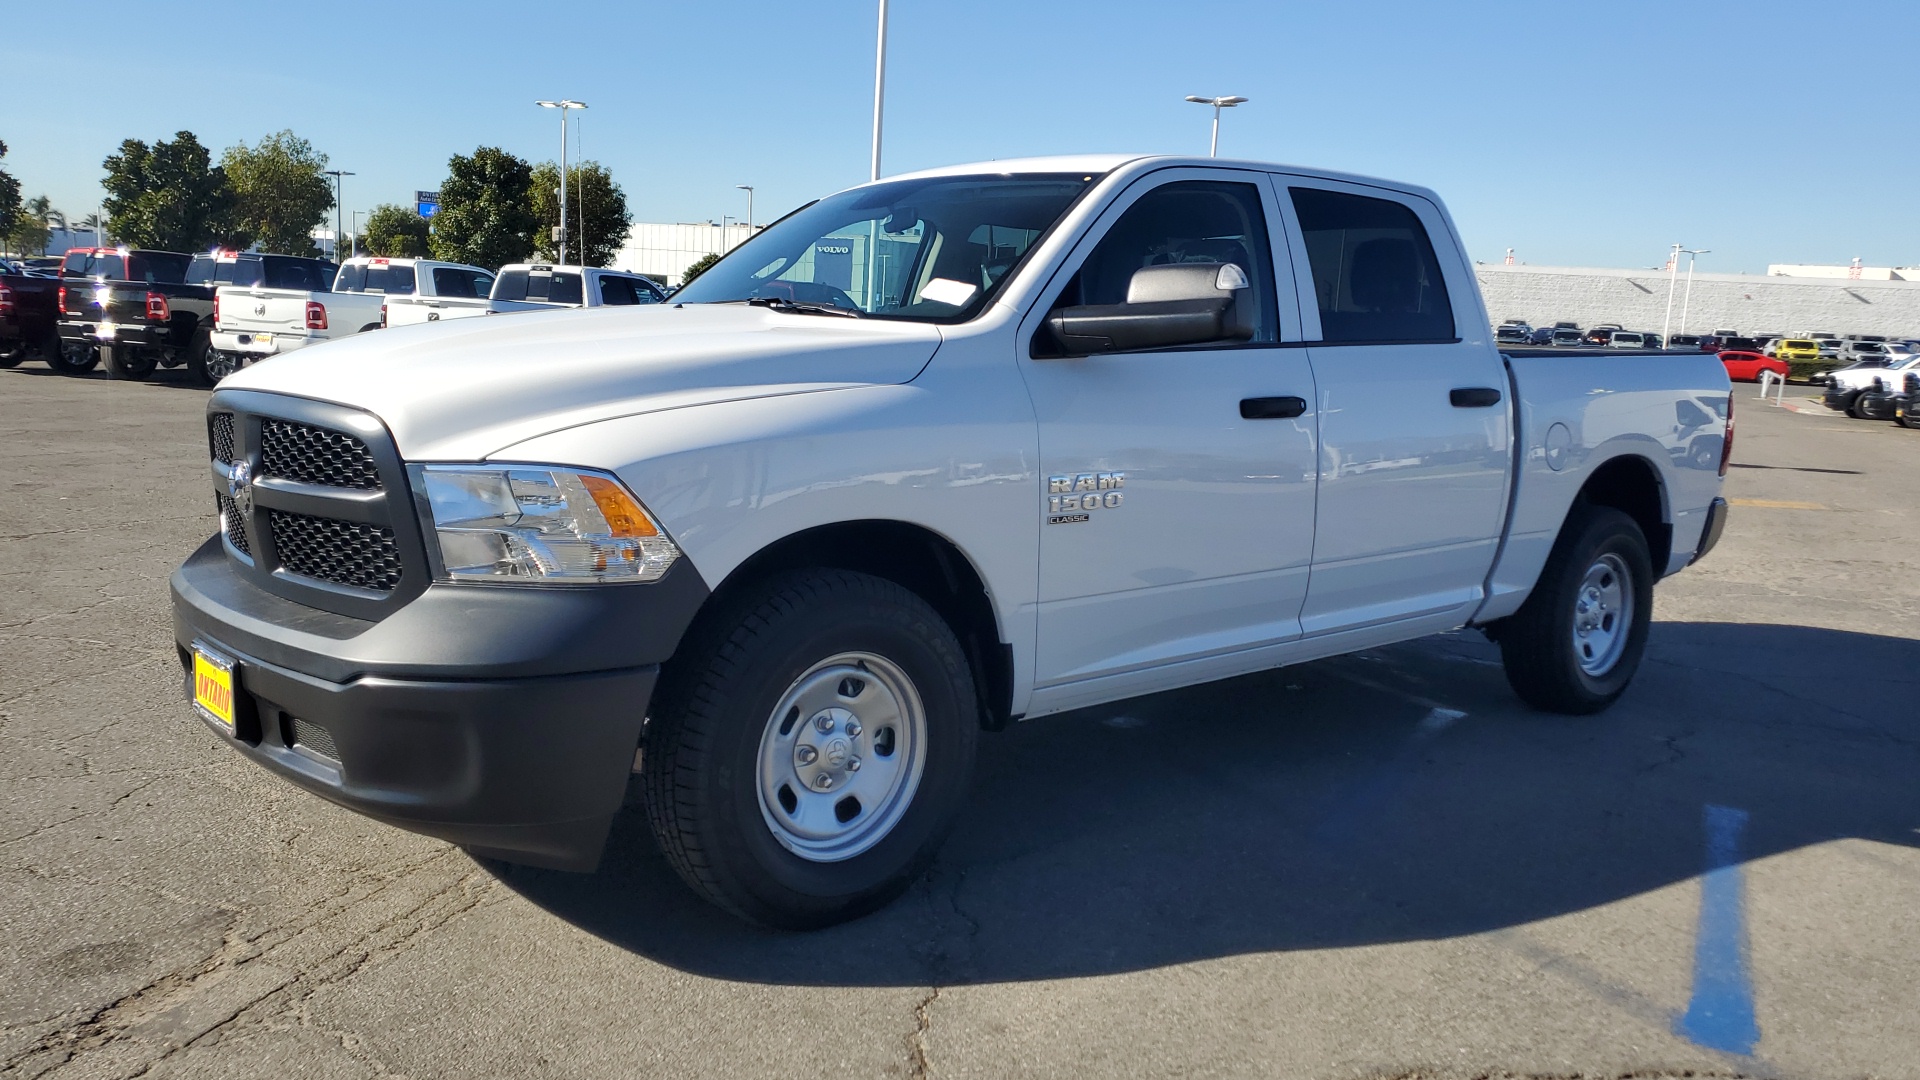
(533, 286)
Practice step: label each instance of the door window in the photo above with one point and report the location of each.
(1374, 271)
(1191, 221)
(451, 281)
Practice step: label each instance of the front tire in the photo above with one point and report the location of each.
(1575, 644)
(810, 748)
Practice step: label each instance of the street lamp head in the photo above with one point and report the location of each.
(1198, 100)
(744, 187)
(1230, 102)
(1217, 102)
(567, 104)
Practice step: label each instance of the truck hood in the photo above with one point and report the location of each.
(464, 389)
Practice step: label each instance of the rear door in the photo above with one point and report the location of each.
(1177, 503)
(1415, 434)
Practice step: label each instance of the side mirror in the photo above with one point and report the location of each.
(1167, 306)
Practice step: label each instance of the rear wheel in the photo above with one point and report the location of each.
(207, 365)
(128, 362)
(13, 354)
(1575, 644)
(74, 358)
(810, 748)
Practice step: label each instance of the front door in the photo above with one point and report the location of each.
(1178, 503)
(1415, 425)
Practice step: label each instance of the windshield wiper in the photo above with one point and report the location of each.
(801, 307)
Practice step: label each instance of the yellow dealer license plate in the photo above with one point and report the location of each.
(213, 686)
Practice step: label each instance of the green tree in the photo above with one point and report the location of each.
(485, 216)
(699, 267)
(280, 190)
(596, 209)
(9, 198)
(32, 226)
(398, 232)
(169, 195)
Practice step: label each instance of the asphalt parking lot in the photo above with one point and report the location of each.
(1376, 866)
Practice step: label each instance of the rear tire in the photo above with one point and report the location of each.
(74, 358)
(127, 363)
(1561, 652)
(206, 365)
(1855, 408)
(13, 355)
(754, 777)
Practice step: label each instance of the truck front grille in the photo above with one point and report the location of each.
(314, 504)
(232, 526)
(220, 436)
(315, 455)
(343, 552)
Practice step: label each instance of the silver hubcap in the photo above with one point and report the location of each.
(841, 757)
(1602, 615)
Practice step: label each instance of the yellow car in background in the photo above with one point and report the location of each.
(1791, 349)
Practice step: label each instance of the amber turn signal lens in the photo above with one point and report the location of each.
(624, 517)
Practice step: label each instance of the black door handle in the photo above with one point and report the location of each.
(1272, 408)
(1473, 397)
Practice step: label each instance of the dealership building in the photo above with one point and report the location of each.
(1785, 301)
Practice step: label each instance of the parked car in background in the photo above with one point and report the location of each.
(1852, 351)
(290, 305)
(418, 290)
(1890, 399)
(1829, 348)
(534, 286)
(1626, 339)
(1599, 335)
(1791, 349)
(1685, 341)
(42, 264)
(1513, 334)
(139, 312)
(1745, 366)
(1568, 338)
(1845, 386)
(1542, 335)
(29, 317)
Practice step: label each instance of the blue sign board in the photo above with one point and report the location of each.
(426, 202)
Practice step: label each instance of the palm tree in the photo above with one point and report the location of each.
(94, 222)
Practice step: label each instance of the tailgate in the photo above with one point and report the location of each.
(266, 311)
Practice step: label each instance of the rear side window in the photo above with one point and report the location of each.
(303, 275)
(511, 285)
(565, 289)
(75, 264)
(160, 266)
(111, 267)
(617, 292)
(238, 272)
(200, 271)
(460, 284)
(1374, 270)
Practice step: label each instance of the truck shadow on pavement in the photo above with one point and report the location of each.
(1339, 803)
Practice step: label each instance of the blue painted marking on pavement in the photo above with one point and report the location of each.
(1720, 1014)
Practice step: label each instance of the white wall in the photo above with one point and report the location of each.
(1749, 303)
(664, 251)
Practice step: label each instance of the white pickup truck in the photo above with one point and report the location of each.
(254, 322)
(421, 290)
(543, 286)
(926, 457)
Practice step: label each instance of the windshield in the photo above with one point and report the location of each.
(934, 249)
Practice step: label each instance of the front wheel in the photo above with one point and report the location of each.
(810, 748)
(1575, 644)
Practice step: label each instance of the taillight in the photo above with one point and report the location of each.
(6, 301)
(216, 311)
(63, 299)
(158, 310)
(316, 315)
(383, 316)
(1726, 444)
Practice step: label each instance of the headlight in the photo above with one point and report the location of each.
(532, 524)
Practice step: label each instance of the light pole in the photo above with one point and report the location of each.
(1218, 103)
(879, 88)
(1692, 255)
(355, 220)
(1673, 276)
(338, 175)
(563, 106)
(748, 188)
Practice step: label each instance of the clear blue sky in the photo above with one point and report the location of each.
(1592, 133)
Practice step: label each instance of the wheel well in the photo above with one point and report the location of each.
(917, 559)
(1630, 485)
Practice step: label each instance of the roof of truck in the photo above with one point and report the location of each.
(1093, 164)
